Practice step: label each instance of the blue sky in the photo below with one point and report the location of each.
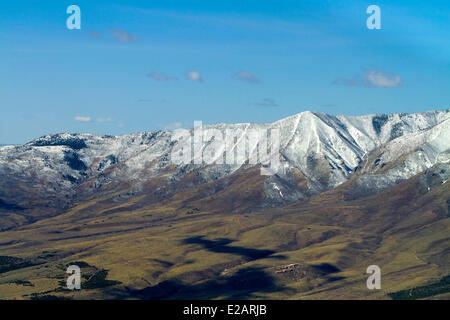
(146, 65)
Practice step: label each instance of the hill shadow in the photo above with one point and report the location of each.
(244, 284)
(10, 206)
(223, 246)
(326, 268)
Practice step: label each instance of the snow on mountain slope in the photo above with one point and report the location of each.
(324, 150)
(327, 149)
(404, 157)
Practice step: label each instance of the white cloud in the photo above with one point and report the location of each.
(246, 76)
(371, 79)
(82, 119)
(380, 79)
(194, 76)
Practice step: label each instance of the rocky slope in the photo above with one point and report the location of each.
(318, 152)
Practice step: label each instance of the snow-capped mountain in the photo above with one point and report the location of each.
(318, 152)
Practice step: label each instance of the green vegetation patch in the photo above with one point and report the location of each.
(443, 286)
(74, 161)
(379, 121)
(98, 280)
(24, 283)
(73, 143)
(8, 263)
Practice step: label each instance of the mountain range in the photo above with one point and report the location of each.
(350, 191)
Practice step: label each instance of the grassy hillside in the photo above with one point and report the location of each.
(209, 245)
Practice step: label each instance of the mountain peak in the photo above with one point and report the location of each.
(321, 150)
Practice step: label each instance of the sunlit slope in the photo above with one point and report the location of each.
(317, 152)
(201, 245)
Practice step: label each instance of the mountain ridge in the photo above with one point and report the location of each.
(318, 152)
(323, 150)
(350, 192)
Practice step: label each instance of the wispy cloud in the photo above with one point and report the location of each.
(94, 34)
(246, 76)
(371, 79)
(194, 76)
(267, 102)
(103, 120)
(82, 119)
(123, 36)
(160, 76)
